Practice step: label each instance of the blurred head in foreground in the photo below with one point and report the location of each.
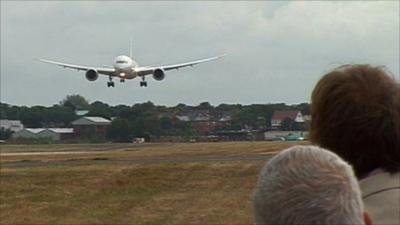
(355, 113)
(307, 185)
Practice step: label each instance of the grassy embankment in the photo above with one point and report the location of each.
(215, 192)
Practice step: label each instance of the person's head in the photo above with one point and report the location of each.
(307, 185)
(355, 112)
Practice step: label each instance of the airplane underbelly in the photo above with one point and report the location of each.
(126, 73)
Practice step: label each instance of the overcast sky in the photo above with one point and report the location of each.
(277, 51)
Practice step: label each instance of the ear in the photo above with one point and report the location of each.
(367, 219)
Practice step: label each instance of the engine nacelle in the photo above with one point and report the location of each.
(92, 75)
(158, 74)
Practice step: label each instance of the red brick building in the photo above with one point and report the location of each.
(87, 128)
(279, 116)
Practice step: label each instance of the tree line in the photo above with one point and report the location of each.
(142, 119)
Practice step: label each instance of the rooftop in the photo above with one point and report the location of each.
(91, 120)
(97, 119)
(34, 130)
(281, 115)
(62, 130)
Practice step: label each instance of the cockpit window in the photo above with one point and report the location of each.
(122, 61)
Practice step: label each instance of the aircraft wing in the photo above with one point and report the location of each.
(150, 69)
(100, 70)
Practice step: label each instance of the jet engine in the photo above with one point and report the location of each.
(159, 74)
(92, 75)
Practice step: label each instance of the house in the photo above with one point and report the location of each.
(13, 125)
(204, 127)
(205, 121)
(183, 118)
(91, 127)
(225, 116)
(194, 116)
(202, 121)
(279, 116)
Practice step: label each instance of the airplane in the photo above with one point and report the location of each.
(125, 68)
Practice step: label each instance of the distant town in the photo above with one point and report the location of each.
(75, 120)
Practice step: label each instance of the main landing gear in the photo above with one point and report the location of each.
(143, 83)
(110, 83)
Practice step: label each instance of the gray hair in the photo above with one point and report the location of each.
(307, 185)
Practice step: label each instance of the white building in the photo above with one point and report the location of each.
(13, 125)
(55, 134)
(91, 120)
(27, 133)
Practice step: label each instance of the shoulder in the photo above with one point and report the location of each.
(379, 182)
(381, 194)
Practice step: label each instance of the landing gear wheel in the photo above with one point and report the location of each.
(143, 84)
(110, 83)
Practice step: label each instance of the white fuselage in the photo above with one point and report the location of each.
(125, 67)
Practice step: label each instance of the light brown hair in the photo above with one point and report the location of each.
(356, 113)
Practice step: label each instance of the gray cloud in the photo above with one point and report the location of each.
(277, 50)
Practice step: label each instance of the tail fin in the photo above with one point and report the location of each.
(130, 49)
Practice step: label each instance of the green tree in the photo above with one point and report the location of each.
(165, 123)
(205, 106)
(304, 108)
(287, 124)
(122, 111)
(261, 122)
(227, 107)
(4, 108)
(180, 105)
(75, 102)
(101, 109)
(146, 125)
(5, 133)
(58, 116)
(120, 130)
(33, 117)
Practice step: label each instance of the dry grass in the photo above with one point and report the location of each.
(146, 151)
(186, 193)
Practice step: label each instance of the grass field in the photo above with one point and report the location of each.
(182, 192)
